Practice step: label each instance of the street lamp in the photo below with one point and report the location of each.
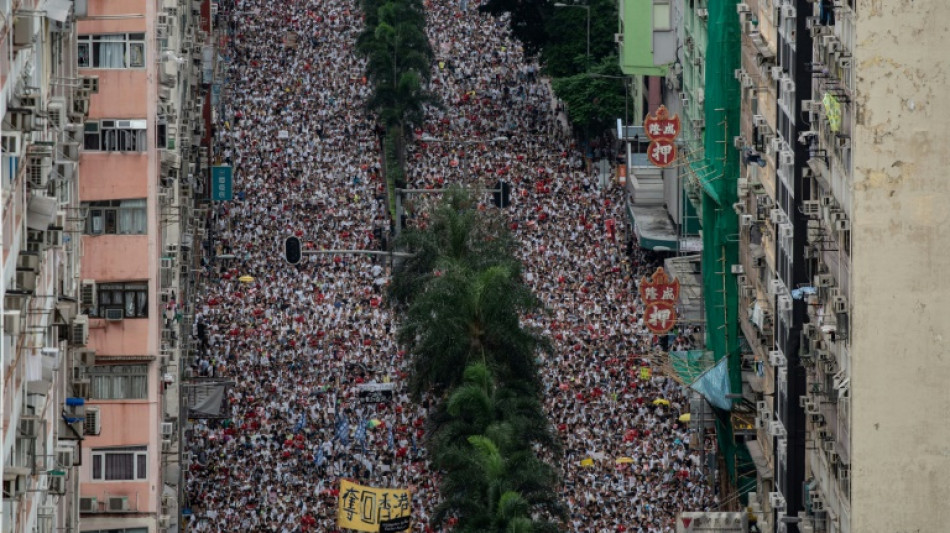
(587, 7)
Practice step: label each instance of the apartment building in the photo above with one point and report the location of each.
(142, 162)
(43, 102)
(840, 254)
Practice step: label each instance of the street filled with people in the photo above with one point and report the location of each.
(300, 341)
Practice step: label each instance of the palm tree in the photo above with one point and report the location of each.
(399, 58)
(465, 316)
(491, 488)
(478, 404)
(456, 232)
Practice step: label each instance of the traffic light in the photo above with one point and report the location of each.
(292, 251)
(502, 194)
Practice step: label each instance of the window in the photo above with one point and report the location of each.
(121, 50)
(119, 464)
(119, 382)
(115, 135)
(116, 217)
(661, 16)
(131, 298)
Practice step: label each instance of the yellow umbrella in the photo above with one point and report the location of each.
(245, 279)
(587, 462)
(624, 460)
(684, 417)
(661, 401)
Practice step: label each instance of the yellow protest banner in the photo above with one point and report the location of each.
(363, 508)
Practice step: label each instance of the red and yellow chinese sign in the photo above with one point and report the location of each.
(662, 130)
(659, 295)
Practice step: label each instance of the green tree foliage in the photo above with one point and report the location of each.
(594, 100)
(527, 20)
(564, 53)
(456, 232)
(462, 297)
(398, 59)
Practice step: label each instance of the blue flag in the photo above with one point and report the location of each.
(389, 439)
(361, 434)
(300, 423)
(343, 430)
(320, 458)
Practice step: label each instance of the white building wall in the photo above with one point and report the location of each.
(900, 360)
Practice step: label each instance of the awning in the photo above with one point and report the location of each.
(106, 358)
(758, 457)
(41, 212)
(653, 228)
(57, 10)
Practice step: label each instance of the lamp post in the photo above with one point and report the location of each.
(587, 8)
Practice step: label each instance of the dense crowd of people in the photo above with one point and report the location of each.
(299, 341)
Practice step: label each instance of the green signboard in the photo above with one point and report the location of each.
(221, 184)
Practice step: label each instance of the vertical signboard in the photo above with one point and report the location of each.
(221, 184)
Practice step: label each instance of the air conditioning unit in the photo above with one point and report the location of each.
(843, 225)
(79, 330)
(737, 269)
(825, 279)
(743, 8)
(746, 220)
(88, 505)
(90, 83)
(776, 144)
(618, 38)
(29, 427)
(702, 13)
(776, 501)
(26, 280)
(118, 504)
(86, 357)
(786, 231)
(56, 112)
(787, 157)
(777, 216)
(168, 430)
(776, 73)
(87, 294)
(759, 121)
(163, 521)
(166, 445)
(739, 208)
(56, 484)
(788, 11)
(811, 207)
(93, 424)
(784, 303)
(82, 388)
(114, 314)
(65, 456)
(777, 358)
(840, 304)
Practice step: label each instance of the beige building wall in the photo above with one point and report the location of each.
(900, 368)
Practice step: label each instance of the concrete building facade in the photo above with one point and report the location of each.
(141, 167)
(43, 102)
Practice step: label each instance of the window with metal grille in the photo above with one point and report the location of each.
(120, 464)
(132, 298)
(120, 50)
(115, 136)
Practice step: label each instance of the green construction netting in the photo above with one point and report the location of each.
(719, 179)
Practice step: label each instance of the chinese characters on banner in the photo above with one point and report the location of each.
(659, 295)
(363, 508)
(662, 130)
